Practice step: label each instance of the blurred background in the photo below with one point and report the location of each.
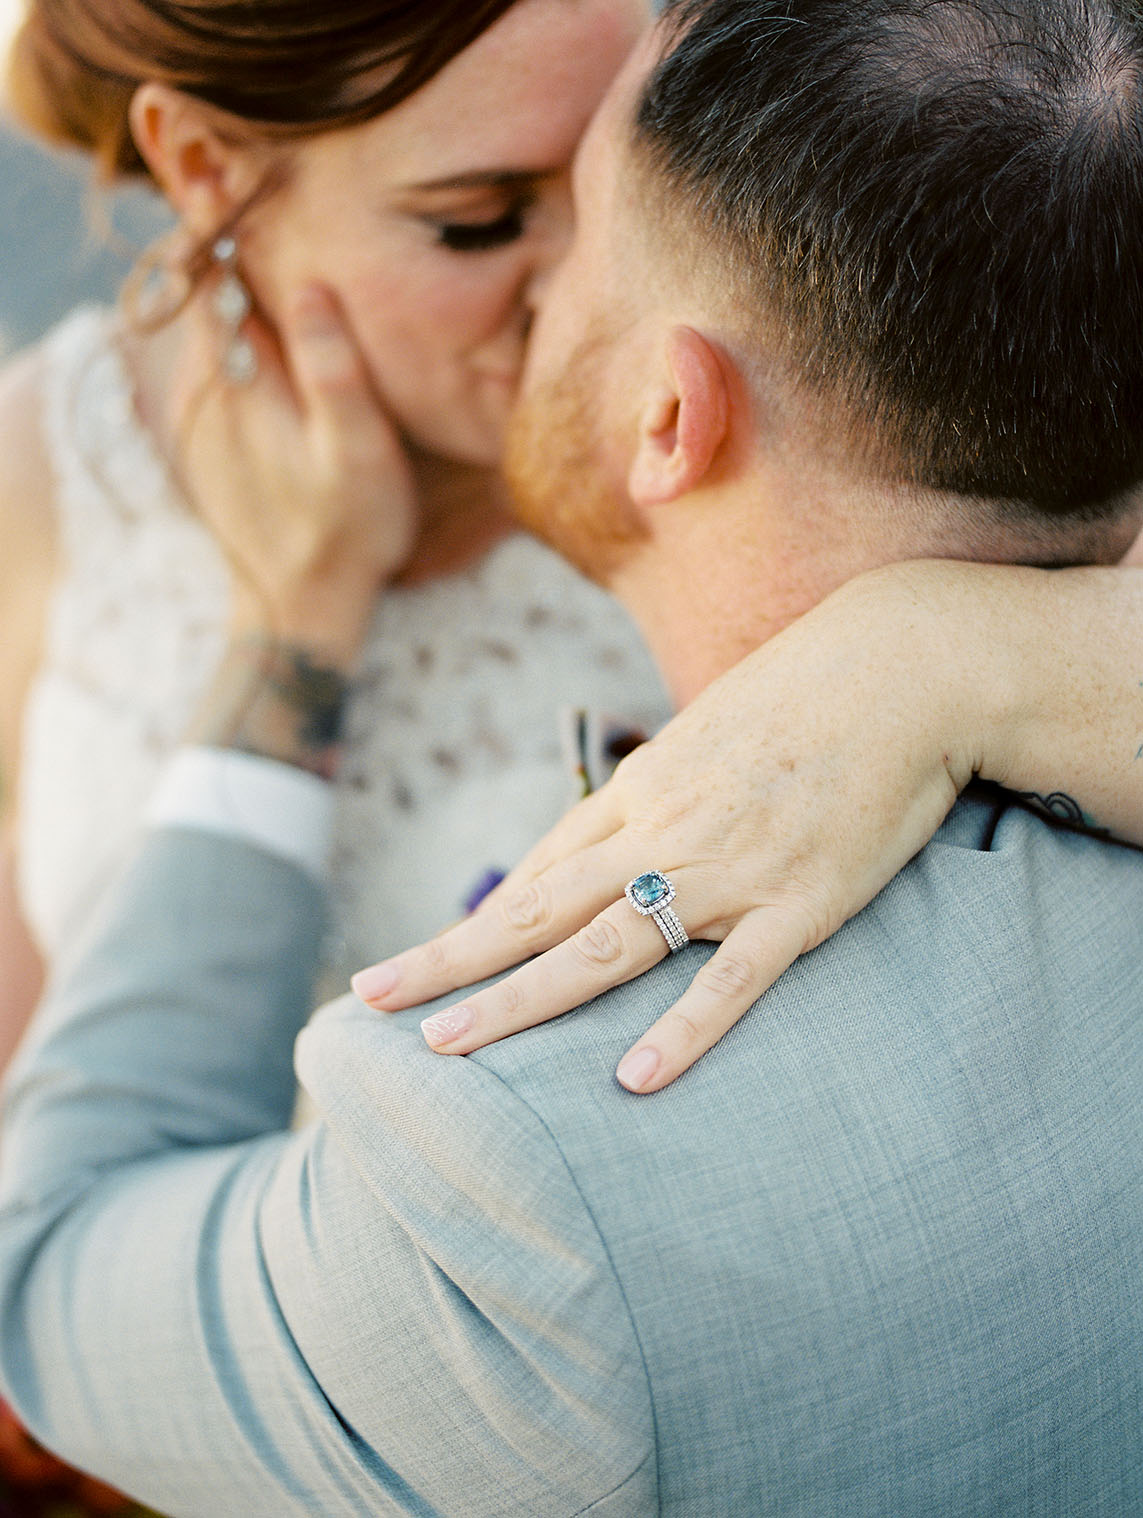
(54, 252)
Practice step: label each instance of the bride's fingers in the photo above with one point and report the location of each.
(754, 954)
(332, 380)
(615, 947)
(524, 922)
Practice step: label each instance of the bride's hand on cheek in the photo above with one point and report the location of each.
(778, 803)
(299, 473)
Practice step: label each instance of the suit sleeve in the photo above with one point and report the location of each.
(404, 1309)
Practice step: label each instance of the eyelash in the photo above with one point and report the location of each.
(483, 236)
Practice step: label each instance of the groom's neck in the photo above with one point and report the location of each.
(707, 590)
(699, 619)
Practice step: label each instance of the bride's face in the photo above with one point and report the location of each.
(433, 221)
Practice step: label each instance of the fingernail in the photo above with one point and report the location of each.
(637, 1068)
(377, 981)
(446, 1026)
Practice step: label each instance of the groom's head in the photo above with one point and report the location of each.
(853, 280)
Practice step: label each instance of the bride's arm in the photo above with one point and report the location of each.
(785, 797)
(27, 569)
(21, 968)
(1071, 731)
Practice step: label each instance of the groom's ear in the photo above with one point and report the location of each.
(683, 424)
(199, 157)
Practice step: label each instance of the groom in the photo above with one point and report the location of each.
(854, 281)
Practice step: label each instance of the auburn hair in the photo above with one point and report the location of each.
(290, 68)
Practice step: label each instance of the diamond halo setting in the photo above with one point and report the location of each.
(651, 895)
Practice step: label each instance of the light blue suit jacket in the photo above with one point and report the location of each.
(880, 1253)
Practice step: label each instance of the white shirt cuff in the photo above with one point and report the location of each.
(273, 806)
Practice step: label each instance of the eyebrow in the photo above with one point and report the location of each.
(481, 179)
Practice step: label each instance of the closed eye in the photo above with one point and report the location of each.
(481, 236)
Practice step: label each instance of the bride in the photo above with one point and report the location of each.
(405, 168)
(412, 162)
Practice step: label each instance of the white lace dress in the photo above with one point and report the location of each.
(453, 764)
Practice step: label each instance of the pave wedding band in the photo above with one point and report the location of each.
(651, 896)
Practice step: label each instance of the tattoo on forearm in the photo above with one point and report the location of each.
(1065, 809)
(273, 699)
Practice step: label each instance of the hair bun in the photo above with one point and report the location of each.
(59, 96)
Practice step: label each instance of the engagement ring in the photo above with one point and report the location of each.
(651, 896)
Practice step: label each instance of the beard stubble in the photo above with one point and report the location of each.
(556, 467)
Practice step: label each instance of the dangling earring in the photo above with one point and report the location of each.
(232, 305)
(158, 287)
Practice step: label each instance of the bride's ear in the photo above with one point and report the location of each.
(684, 423)
(205, 170)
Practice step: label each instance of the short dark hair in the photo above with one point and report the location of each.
(941, 203)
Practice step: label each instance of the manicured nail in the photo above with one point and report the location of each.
(376, 982)
(637, 1068)
(446, 1026)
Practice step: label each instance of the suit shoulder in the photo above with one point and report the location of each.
(459, 1126)
(473, 1181)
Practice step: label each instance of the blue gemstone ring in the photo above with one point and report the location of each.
(651, 896)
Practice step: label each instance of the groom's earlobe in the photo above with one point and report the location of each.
(683, 425)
